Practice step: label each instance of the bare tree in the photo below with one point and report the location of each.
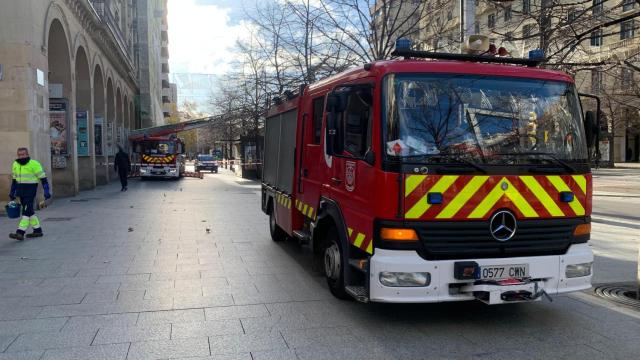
(369, 28)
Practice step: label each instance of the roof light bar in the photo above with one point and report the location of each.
(465, 57)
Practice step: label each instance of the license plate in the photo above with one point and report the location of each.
(498, 272)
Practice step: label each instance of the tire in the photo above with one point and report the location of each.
(332, 256)
(277, 234)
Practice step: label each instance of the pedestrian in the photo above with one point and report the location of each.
(122, 165)
(26, 173)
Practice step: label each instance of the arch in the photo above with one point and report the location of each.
(84, 105)
(110, 118)
(119, 117)
(98, 61)
(64, 174)
(55, 13)
(126, 119)
(79, 42)
(132, 116)
(99, 110)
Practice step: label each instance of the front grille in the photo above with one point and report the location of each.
(473, 240)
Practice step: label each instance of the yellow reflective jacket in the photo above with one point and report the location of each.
(30, 173)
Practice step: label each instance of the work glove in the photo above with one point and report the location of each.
(47, 192)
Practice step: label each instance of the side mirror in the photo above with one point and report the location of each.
(591, 128)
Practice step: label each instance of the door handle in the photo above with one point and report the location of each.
(336, 180)
(305, 172)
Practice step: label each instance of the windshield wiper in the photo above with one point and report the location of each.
(469, 163)
(549, 156)
(445, 159)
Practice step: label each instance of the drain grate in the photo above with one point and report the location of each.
(53, 219)
(620, 293)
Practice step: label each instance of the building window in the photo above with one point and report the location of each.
(508, 36)
(627, 30)
(449, 15)
(477, 28)
(596, 38)
(527, 30)
(573, 15)
(628, 5)
(598, 7)
(626, 78)
(507, 13)
(491, 21)
(526, 6)
(596, 81)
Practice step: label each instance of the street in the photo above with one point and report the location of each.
(186, 269)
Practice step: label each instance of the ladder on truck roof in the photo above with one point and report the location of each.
(165, 130)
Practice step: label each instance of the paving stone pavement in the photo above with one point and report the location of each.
(137, 275)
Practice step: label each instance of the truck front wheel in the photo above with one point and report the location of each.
(277, 234)
(333, 266)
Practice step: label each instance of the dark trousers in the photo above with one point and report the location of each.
(27, 203)
(123, 177)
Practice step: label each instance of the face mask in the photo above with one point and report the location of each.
(23, 161)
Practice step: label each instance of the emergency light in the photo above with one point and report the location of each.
(403, 44)
(536, 54)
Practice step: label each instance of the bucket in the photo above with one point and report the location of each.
(13, 210)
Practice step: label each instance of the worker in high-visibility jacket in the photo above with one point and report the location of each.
(26, 174)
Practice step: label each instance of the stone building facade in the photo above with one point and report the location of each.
(69, 87)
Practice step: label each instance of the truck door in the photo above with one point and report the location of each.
(311, 161)
(352, 177)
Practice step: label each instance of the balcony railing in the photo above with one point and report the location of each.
(109, 20)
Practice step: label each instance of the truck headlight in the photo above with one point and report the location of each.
(143, 171)
(405, 279)
(173, 170)
(578, 270)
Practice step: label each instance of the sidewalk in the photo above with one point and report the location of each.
(628, 165)
(186, 270)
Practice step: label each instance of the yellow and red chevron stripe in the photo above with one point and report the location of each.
(360, 240)
(478, 197)
(283, 200)
(167, 159)
(306, 209)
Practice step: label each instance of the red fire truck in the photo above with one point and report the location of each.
(158, 150)
(421, 180)
(160, 156)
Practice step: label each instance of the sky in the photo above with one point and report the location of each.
(202, 34)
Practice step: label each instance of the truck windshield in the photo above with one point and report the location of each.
(158, 147)
(205, 157)
(481, 119)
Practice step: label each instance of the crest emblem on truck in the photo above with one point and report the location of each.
(503, 225)
(350, 175)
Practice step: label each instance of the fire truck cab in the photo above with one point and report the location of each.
(160, 156)
(436, 180)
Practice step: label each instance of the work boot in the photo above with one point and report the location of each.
(35, 234)
(17, 236)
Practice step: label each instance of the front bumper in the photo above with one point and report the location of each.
(546, 272)
(160, 172)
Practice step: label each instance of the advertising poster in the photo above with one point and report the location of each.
(97, 132)
(82, 122)
(58, 127)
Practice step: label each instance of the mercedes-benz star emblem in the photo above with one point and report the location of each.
(503, 225)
